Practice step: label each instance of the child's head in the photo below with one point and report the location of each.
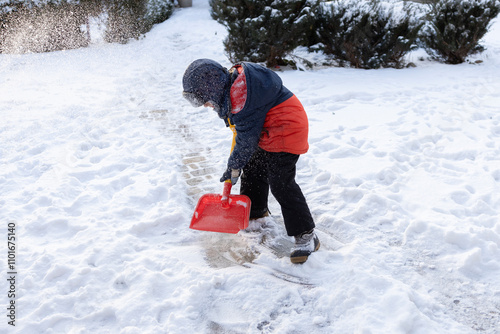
(205, 81)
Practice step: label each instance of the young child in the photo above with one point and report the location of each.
(271, 132)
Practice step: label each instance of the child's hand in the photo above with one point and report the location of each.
(231, 174)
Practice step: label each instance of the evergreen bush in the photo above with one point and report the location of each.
(455, 28)
(125, 20)
(49, 26)
(158, 11)
(263, 30)
(132, 18)
(366, 34)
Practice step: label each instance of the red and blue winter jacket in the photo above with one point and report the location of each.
(265, 114)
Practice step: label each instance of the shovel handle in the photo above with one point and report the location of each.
(225, 193)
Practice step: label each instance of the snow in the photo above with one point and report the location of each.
(102, 163)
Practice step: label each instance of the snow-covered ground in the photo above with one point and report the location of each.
(102, 162)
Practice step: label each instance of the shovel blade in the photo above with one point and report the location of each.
(211, 215)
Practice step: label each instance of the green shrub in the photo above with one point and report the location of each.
(50, 26)
(263, 30)
(132, 18)
(365, 34)
(125, 20)
(455, 28)
(158, 11)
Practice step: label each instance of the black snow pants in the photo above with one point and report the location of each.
(276, 171)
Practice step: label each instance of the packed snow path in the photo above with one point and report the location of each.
(102, 162)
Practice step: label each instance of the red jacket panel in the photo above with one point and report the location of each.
(286, 128)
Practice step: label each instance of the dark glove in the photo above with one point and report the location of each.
(231, 174)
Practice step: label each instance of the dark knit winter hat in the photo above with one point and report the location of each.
(206, 80)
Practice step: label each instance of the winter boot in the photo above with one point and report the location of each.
(305, 244)
(254, 215)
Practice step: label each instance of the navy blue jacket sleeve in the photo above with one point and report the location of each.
(248, 130)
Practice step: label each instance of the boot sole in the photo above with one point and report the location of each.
(302, 259)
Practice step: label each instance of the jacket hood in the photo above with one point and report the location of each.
(209, 81)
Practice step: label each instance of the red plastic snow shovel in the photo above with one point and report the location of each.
(224, 213)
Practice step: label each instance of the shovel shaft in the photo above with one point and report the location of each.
(225, 193)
